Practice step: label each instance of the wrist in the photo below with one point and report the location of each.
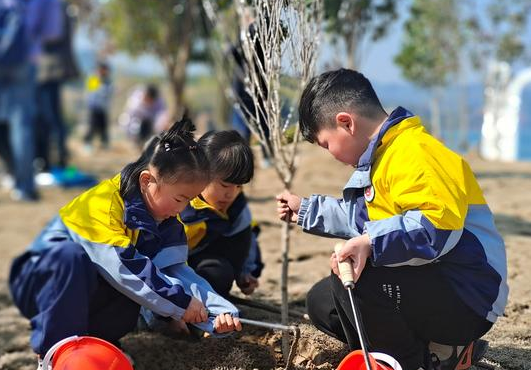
(303, 208)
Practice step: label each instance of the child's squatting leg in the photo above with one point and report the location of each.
(403, 309)
(60, 291)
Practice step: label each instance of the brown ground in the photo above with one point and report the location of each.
(506, 188)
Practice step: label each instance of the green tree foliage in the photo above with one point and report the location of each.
(169, 29)
(432, 39)
(353, 20)
(430, 49)
(496, 29)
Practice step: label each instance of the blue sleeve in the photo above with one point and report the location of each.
(408, 239)
(137, 277)
(253, 263)
(200, 289)
(326, 216)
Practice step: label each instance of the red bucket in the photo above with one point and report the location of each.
(86, 353)
(379, 361)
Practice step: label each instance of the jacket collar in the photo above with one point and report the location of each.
(361, 177)
(198, 208)
(136, 214)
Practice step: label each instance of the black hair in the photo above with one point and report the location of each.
(152, 91)
(174, 154)
(230, 157)
(101, 64)
(334, 91)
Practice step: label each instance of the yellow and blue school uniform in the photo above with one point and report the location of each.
(116, 240)
(420, 203)
(204, 225)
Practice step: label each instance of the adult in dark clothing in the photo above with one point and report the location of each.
(245, 100)
(56, 65)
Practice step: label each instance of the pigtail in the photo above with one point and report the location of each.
(175, 156)
(180, 135)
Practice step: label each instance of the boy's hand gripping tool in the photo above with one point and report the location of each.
(347, 277)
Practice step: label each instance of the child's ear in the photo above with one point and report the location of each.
(345, 121)
(144, 179)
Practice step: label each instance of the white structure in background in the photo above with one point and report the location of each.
(501, 119)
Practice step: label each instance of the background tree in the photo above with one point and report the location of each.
(495, 30)
(168, 29)
(279, 41)
(430, 49)
(351, 21)
(496, 43)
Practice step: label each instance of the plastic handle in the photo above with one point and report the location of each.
(345, 269)
(48, 357)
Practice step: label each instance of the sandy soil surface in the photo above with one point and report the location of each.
(506, 187)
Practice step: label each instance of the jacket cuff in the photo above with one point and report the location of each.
(305, 203)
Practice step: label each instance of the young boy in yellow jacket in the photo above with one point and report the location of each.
(429, 264)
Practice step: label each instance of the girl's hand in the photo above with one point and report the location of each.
(288, 204)
(355, 251)
(224, 323)
(247, 283)
(196, 312)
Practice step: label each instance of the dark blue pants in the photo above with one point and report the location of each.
(17, 108)
(402, 310)
(50, 125)
(61, 292)
(220, 261)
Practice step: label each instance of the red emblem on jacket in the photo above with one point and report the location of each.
(369, 193)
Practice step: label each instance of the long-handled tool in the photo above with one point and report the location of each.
(270, 325)
(284, 328)
(347, 277)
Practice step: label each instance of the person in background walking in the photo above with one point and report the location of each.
(56, 65)
(99, 90)
(24, 26)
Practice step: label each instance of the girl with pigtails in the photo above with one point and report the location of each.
(118, 247)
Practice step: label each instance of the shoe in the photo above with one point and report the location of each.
(20, 196)
(445, 357)
(7, 182)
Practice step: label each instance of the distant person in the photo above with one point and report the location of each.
(99, 94)
(56, 65)
(24, 26)
(119, 246)
(221, 234)
(247, 106)
(429, 264)
(143, 109)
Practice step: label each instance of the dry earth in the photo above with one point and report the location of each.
(507, 188)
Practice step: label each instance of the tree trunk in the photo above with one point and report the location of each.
(351, 46)
(178, 82)
(176, 64)
(463, 143)
(284, 242)
(435, 115)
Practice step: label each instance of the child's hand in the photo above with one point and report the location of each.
(288, 204)
(356, 251)
(224, 323)
(247, 283)
(196, 312)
